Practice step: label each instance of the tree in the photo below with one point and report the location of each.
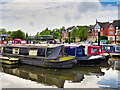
(37, 34)
(45, 32)
(66, 40)
(74, 34)
(103, 37)
(96, 40)
(3, 31)
(55, 34)
(82, 33)
(18, 34)
(61, 29)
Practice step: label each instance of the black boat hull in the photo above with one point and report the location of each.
(47, 64)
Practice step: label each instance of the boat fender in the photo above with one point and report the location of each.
(75, 61)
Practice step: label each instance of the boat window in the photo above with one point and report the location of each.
(118, 48)
(107, 47)
(8, 50)
(100, 49)
(23, 42)
(41, 52)
(16, 42)
(24, 51)
(53, 53)
(15, 50)
(79, 51)
(93, 50)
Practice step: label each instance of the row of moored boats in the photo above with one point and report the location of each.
(56, 55)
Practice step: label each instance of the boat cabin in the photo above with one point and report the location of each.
(77, 51)
(80, 50)
(117, 48)
(111, 48)
(48, 52)
(108, 48)
(94, 50)
(19, 41)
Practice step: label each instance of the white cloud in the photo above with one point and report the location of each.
(35, 16)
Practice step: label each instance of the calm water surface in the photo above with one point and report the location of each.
(104, 75)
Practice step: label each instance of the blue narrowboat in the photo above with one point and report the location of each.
(114, 50)
(81, 55)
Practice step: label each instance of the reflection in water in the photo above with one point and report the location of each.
(58, 77)
(115, 65)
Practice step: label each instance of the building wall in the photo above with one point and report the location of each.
(111, 31)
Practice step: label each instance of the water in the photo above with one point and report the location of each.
(104, 75)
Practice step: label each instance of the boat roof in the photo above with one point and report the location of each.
(35, 45)
(18, 39)
(73, 45)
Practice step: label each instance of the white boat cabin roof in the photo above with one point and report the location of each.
(35, 45)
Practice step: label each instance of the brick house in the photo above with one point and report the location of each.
(116, 24)
(106, 28)
(65, 32)
(93, 30)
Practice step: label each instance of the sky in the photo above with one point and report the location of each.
(32, 16)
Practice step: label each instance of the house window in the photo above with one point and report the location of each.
(95, 32)
(111, 28)
(116, 28)
(117, 32)
(111, 38)
(111, 32)
(101, 33)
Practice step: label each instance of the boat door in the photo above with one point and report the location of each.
(79, 52)
(117, 48)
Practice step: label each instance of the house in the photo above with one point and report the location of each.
(107, 29)
(93, 30)
(116, 24)
(65, 32)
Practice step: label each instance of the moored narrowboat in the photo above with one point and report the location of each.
(114, 50)
(84, 55)
(40, 55)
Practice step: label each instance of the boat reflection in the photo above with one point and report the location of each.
(115, 65)
(55, 77)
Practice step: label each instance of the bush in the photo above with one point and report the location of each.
(66, 40)
(103, 37)
(71, 40)
(109, 42)
(96, 40)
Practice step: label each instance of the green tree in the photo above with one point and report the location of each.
(37, 34)
(96, 40)
(74, 34)
(82, 33)
(103, 37)
(55, 34)
(45, 32)
(18, 34)
(66, 40)
(62, 29)
(3, 31)
(9, 32)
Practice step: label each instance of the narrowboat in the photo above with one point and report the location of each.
(114, 50)
(83, 54)
(44, 55)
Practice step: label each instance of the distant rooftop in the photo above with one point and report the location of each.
(4, 35)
